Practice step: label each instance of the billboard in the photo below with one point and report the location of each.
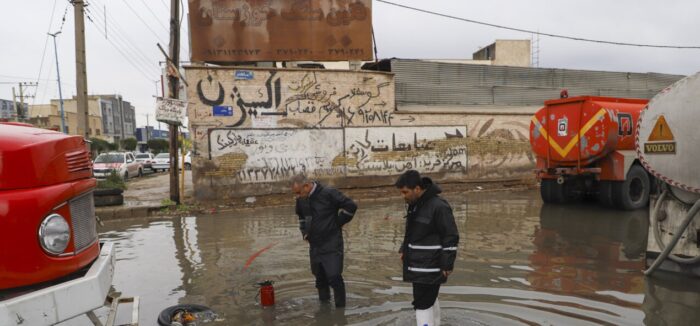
(280, 30)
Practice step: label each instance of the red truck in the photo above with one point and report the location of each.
(52, 266)
(585, 147)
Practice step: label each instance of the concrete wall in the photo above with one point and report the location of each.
(254, 128)
(439, 84)
(515, 53)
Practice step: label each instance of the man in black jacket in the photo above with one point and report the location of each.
(322, 213)
(429, 247)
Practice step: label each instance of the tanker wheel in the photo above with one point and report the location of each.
(605, 196)
(633, 193)
(552, 192)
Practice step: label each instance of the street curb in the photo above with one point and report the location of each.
(122, 212)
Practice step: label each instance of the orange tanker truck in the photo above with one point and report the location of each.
(585, 147)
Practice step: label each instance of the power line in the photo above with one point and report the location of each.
(540, 33)
(121, 52)
(141, 19)
(124, 39)
(154, 15)
(132, 52)
(43, 53)
(128, 46)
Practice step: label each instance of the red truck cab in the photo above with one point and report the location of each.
(47, 211)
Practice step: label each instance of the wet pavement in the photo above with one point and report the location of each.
(519, 263)
(153, 189)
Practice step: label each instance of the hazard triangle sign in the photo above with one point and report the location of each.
(661, 131)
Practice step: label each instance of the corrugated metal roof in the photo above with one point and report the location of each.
(425, 82)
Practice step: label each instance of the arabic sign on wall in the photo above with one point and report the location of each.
(267, 155)
(280, 30)
(275, 98)
(170, 110)
(392, 150)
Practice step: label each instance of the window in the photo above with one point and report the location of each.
(98, 132)
(110, 158)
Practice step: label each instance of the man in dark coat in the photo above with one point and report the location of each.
(322, 213)
(429, 247)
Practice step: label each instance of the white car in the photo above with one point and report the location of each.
(123, 163)
(146, 160)
(161, 162)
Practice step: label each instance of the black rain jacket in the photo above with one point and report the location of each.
(321, 217)
(430, 242)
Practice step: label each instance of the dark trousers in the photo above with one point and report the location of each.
(424, 295)
(327, 269)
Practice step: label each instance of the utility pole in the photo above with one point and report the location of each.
(14, 101)
(80, 68)
(58, 75)
(148, 128)
(21, 103)
(21, 114)
(173, 93)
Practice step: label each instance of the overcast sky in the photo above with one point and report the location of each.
(127, 61)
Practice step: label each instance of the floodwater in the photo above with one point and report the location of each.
(519, 263)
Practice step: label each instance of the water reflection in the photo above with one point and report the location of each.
(518, 263)
(587, 250)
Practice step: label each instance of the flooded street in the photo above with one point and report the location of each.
(518, 263)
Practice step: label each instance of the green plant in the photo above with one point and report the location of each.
(158, 146)
(167, 202)
(98, 145)
(184, 208)
(129, 144)
(113, 181)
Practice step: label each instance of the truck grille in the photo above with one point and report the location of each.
(78, 161)
(82, 211)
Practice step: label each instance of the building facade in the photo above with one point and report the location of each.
(110, 117)
(8, 111)
(514, 53)
(48, 116)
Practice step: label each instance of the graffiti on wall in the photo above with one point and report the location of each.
(271, 98)
(269, 155)
(392, 150)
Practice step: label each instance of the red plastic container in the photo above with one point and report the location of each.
(267, 294)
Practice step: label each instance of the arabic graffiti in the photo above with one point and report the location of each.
(392, 150)
(276, 98)
(277, 154)
(233, 139)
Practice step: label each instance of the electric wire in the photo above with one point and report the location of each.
(43, 53)
(128, 46)
(154, 15)
(574, 38)
(142, 20)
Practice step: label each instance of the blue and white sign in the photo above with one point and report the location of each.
(243, 75)
(222, 111)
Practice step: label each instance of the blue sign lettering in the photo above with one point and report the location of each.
(222, 111)
(243, 75)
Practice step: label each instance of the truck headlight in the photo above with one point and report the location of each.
(54, 234)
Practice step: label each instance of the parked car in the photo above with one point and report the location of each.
(146, 160)
(161, 162)
(123, 163)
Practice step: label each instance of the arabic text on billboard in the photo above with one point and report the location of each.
(171, 111)
(279, 30)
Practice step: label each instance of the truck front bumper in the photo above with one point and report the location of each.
(66, 300)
